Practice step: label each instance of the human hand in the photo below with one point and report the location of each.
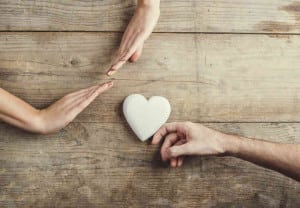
(186, 138)
(138, 30)
(63, 111)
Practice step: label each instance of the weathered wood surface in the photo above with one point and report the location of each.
(229, 78)
(265, 16)
(104, 164)
(242, 84)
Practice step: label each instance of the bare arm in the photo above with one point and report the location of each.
(16, 112)
(284, 158)
(195, 139)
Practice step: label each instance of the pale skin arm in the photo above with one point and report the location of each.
(137, 32)
(17, 112)
(186, 138)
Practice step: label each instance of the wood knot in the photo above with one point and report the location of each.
(75, 62)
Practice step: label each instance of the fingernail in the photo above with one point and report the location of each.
(102, 86)
(108, 71)
(111, 72)
(109, 84)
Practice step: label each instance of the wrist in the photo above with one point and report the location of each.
(230, 144)
(38, 122)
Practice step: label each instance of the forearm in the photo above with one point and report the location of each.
(16, 112)
(284, 158)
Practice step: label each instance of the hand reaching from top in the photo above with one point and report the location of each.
(137, 31)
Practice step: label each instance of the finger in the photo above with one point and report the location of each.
(94, 94)
(76, 99)
(164, 130)
(116, 67)
(180, 142)
(169, 141)
(132, 47)
(177, 151)
(118, 61)
(173, 162)
(118, 56)
(72, 96)
(120, 52)
(126, 55)
(68, 101)
(130, 37)
(81, 104)
(126, 43)
(127, 37)
(137, 54)
(180, 161)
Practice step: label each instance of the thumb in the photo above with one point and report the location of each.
(180, 150)
(137, 54)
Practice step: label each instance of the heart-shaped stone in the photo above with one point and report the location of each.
(144, 116)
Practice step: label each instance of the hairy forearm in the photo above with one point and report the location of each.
(284, 158)
(16, 112)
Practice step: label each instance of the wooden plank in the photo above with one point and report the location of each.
(104, 164)
(81, 53)
(205, 77)
(265, 16)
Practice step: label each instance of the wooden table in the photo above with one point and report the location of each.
(232, 65)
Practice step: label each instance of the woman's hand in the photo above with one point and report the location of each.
(138, 30)
(188, 138)
(63, 111)
(17, 112)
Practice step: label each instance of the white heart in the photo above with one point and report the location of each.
(144, 116)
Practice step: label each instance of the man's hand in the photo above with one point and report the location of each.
(138, 30)
(195, 139)
(187, 138)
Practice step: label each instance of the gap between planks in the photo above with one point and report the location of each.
(208, 122)
(180, 32)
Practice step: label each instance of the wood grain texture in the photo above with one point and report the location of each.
(243, 84)
(104, 164)
(229, 78)
(265, 16)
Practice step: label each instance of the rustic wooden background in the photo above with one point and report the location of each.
(233, 65)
